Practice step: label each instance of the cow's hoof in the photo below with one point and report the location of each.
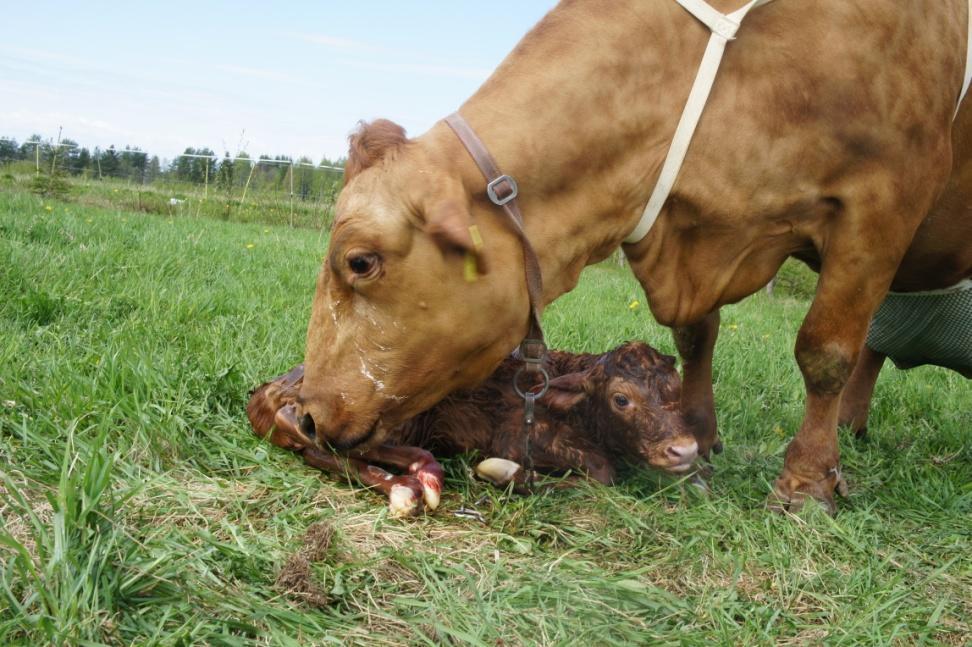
(704, 470)
(698, 485)
(790, 492)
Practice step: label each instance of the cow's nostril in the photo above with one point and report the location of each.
(685, 453)
(307, 426)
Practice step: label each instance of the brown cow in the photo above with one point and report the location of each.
(828, 136)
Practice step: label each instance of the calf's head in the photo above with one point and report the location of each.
(630, 398)
(409, 305)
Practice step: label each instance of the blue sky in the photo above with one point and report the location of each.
(295, 76)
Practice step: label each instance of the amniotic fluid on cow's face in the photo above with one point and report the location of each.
(395, 325)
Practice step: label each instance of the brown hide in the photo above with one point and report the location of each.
(599, 412)
(578, 426)
(828, 136)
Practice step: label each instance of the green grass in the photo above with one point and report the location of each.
(265, 206)
(137, 507)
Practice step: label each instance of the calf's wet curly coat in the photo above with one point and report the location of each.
(600, 411)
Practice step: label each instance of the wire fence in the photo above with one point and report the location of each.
(198, 181)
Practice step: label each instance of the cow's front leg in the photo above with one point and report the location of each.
(695, 345)
(827, 350)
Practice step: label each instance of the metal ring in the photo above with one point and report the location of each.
(543, 389)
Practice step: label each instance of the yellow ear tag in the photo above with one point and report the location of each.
(469, 269)
(477, 239)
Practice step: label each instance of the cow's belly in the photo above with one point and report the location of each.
(926, 328)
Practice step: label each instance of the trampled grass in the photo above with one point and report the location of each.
(137, 507)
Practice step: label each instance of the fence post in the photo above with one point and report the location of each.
(291, 194)
(247, 185)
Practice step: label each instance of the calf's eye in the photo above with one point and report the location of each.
(620, 401)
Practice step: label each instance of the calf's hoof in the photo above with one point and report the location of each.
(498, 471)
(717, 447)
(790, 491)
(403, 501)
(430, 475)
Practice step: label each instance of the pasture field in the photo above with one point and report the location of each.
(138, 508)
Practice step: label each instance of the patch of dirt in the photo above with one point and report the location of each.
(295, 578)
(17, 524)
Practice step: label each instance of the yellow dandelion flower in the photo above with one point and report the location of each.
(778, 430)
(88, 220)
(733, 326)
(49, 207)
(266, 231)
(115, 190)
(633, 305)
(250, 245)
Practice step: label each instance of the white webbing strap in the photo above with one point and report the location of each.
(723, 28)
(968, 65)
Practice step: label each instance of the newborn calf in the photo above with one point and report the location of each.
(599, 411)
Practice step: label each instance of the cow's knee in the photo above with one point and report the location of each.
(826, 365)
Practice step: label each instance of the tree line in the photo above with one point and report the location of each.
(200, 166)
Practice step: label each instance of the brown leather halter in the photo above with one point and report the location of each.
(501, 189)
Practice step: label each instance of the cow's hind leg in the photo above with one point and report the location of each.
(695, 345)
(855, 403)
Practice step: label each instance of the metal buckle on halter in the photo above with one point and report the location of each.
(494, 197)
(532, 352)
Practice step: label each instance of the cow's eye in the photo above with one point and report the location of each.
(363, 265)
(620, 401)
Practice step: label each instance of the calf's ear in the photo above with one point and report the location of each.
(567, 391)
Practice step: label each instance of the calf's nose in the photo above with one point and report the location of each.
(683, 453)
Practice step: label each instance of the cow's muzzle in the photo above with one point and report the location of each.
(336, 438)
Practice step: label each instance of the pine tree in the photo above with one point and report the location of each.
(110, 162)
(9, 151)
(224, 177)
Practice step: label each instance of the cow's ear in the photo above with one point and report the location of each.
(449, 223)
(567, 391)
(371, 142)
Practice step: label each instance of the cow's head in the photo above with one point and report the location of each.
(409, 306)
